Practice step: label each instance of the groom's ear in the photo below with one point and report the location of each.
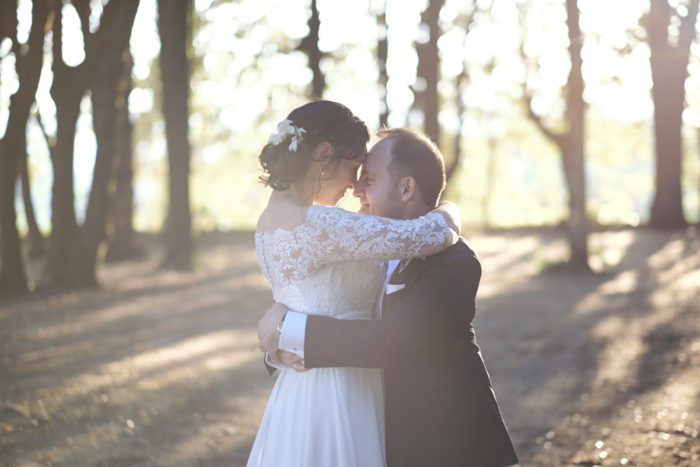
(407, 188)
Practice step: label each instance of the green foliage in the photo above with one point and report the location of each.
(247, 74)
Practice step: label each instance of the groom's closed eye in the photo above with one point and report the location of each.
(365, 180)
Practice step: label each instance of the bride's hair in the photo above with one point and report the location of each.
(283, 164)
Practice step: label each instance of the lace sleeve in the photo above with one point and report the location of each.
(340, 235)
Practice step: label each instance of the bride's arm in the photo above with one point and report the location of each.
(451, 213)
(340, 235)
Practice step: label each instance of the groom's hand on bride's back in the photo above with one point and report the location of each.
(268, 335)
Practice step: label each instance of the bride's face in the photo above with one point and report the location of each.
(339, 176)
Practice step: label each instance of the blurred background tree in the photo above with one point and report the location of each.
(569, 138)
(309, 45)
(73, 249)
(13, 146)
(173, 26)
(671, 31)
(156, 128)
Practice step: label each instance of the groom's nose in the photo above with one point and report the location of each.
(359, 188)
(358, 191)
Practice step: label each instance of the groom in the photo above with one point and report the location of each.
(439, 405)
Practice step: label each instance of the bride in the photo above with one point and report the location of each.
(322, 259)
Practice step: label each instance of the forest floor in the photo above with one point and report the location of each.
(162, 368)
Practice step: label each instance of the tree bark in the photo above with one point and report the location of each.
(490, 180)
(8, 19)
(122, 243)
(67, 90)
(309, 45)
(107, 103)
(428, 72)
(457, 152)
(173, 27)
(460, 81)
(382, 57)
(73, 250)
(13, 147)
(573, 152)
(669, 70)
(571, 144)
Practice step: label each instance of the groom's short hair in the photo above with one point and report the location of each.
(414, 155)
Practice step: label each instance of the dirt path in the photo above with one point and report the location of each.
(163, 368)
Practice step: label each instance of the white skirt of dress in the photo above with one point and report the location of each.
(322, 417)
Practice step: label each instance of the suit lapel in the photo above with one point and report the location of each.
(402, 279)
(380, 294)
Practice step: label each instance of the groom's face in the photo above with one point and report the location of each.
(376, 188)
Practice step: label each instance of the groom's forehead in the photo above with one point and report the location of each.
(378, 155)
(371, 165)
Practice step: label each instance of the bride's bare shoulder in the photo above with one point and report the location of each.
(285, 216)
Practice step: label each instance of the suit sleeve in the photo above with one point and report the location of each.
(435, 312)
(270, 369)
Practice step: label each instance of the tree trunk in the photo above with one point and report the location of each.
(571, 145)
(573, 150)
(122, 243)
(457, 153)
(8, 19)
(460, 81)
(428, 73)
(73, 250)
(669, 70)
(13, 147)
(173, 27)
(64, 241)
(113, 39)
(67, 90)
(309, 45)
(12, 276)
(490, 180)
(382, 56)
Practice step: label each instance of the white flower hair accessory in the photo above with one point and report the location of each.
(285, 129)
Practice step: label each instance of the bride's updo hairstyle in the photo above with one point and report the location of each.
(285, 159)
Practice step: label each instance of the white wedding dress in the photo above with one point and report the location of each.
(329, 265)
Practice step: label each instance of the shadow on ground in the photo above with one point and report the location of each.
(162, 368)
(576, 358)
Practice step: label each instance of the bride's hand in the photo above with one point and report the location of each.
(451, 213)
(291, 360)
(268, 336)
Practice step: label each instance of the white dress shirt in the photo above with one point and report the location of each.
(293, 335)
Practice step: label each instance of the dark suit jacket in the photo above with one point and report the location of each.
(440, 407)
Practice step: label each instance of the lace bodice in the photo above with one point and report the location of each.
(329, 263)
